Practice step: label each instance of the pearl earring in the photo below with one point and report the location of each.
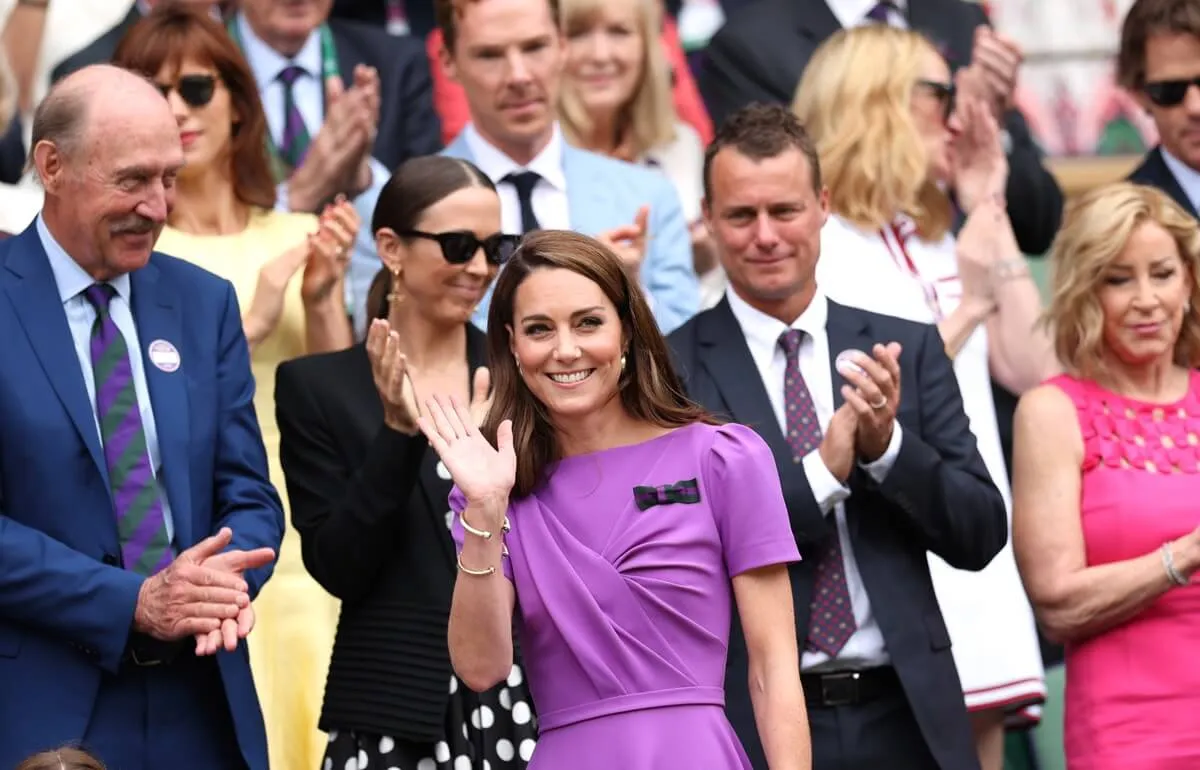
(622, 362)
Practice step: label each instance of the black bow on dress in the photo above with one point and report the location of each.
(686, 491)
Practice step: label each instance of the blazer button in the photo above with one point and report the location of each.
(110, 560)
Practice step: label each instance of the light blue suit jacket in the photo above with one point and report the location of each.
(603, 193)
(66, 607)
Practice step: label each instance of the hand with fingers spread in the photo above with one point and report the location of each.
(485, 474)
(980, 167)
(189, 598)
(329, 251)
(232, 629)
(389, 368)
(629, 241)
(872, 390)
(481, 398)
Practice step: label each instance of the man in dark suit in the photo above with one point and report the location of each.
(761, 52)
(137, 521)
(876, 458)
(1159, 62)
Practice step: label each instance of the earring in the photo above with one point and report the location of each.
(622, 362)
(519, 369)
(394, 296)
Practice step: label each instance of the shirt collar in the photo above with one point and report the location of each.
(68, 275)
(1188, 177)
(762, 331)
(267, 63)
(548, 164)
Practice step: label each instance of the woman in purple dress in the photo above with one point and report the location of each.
(625, 534)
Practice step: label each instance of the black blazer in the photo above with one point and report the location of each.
(418, 12)
(1154, 173)
(938, 497)
(761, 52)
(371, 513)
(408, 125)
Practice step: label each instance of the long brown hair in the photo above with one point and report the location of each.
(650, 390)
(66, 758)
(175, 32)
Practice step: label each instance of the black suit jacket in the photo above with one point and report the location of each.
(1154, 173)
(761, 52)
(371, 513)
(938, 497)
(408, 125)
(418, 12)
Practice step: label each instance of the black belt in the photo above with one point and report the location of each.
(145, 651)
(848, 688)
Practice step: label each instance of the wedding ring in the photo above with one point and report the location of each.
(880, 404)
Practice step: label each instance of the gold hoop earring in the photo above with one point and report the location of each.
(394, 296)
(622, 362)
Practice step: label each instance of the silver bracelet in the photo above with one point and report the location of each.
(1168, 560)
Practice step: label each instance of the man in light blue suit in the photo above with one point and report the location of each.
(137, 521)
(508, 56)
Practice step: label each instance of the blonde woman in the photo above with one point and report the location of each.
(616, 100)
(891, 141)
(1105, 480)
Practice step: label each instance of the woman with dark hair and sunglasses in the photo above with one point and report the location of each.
(288, 272)
(892, 141)
(370, 499)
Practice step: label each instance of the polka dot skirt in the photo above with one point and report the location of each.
(494, 730)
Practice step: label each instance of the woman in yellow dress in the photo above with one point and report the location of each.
(288, 272)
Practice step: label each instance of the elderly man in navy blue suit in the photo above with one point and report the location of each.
(137, 521)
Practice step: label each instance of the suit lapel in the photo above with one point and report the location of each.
(588, 201)
(728, 361)
(814, 19)
(157, 315)
(34, 294)
(1159, 173)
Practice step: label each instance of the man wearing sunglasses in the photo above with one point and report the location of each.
(1159, 62)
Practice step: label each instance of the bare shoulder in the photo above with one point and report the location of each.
(1046, 416)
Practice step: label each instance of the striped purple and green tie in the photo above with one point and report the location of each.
(140, 521)
(295, 142)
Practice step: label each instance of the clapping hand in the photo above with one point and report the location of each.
(328, 251)
(629, 241)
(389, 368)
(485, 474)
(232, 629)
(195, 596)
(997, 58)
(873, 391)
(980, 166)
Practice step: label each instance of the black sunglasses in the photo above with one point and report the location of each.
(945, 93)
(459, 246)
(195, 90)
(1169, 93)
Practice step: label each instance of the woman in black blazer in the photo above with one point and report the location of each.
(369, 498)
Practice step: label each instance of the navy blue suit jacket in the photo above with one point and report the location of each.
(65, 612)
(1154, 172)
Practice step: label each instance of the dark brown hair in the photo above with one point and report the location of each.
(762, 131)
(66, 758)
(415, 187)
(650, 390)
(1147, 18)
(176, 32)
(447, 13)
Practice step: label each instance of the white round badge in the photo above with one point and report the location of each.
(164, 355)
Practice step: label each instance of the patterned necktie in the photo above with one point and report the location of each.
(295, 133)
(140, 522)
(830, 615)
(882, 12)
(524, 182)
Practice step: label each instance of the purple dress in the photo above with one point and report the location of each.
(624, 608)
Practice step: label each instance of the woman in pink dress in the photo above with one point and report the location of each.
(1107, 481)
(623, 537)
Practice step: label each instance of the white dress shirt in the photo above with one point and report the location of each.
(1188, 177)
(865, 648)
(549, 196)
(72, 281)
(853, 13)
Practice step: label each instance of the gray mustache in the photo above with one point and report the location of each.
(133, 225)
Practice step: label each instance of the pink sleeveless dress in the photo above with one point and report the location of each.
(1133, 691)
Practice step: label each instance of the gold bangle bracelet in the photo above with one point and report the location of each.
(486, 535)
(474, 572)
